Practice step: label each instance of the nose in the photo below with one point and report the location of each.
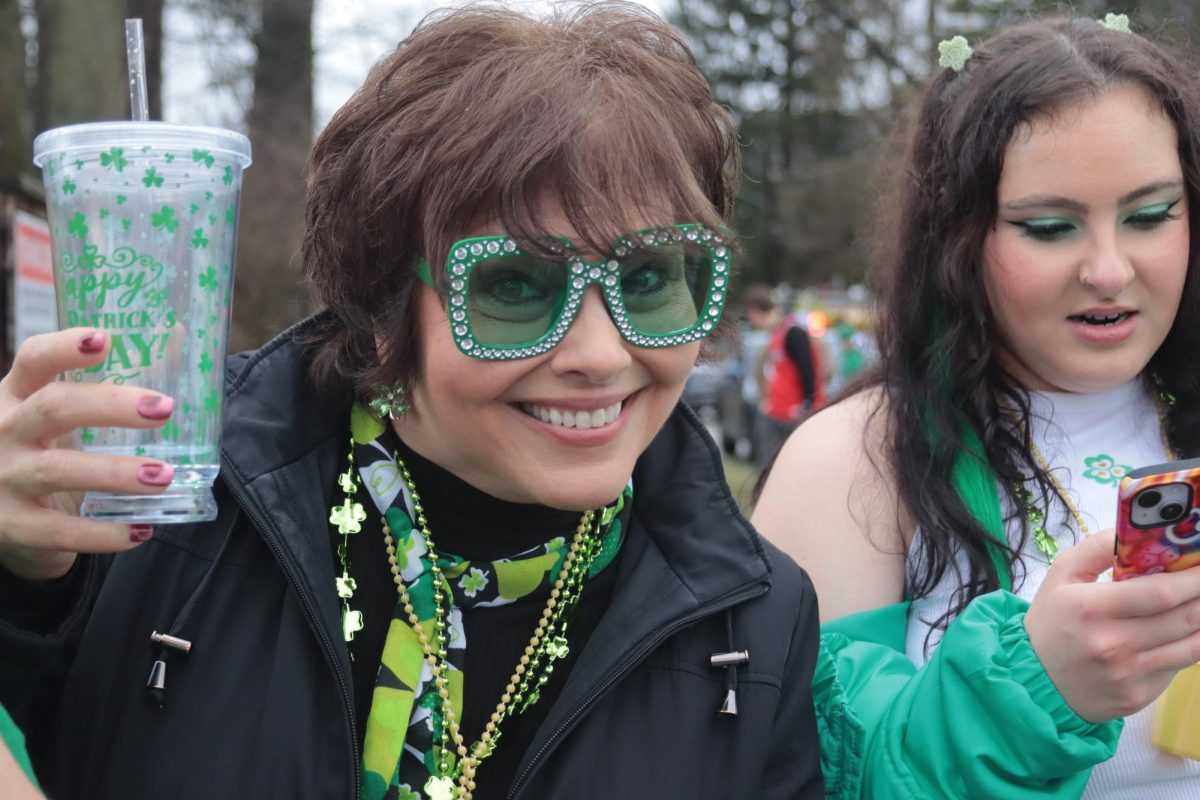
(592, 346)
(1108, 268)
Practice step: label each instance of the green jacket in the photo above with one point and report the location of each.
(980, 720)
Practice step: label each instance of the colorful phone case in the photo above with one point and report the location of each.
(1163, 548)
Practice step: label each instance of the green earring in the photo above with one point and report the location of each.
(389, 402)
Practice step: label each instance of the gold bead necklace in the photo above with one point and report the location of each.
(1042, 538)
(547, 644)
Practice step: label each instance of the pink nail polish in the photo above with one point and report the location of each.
(92, 343)
(140, 533)
(155, 406)
(156, 474)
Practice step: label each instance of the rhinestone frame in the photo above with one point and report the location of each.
(467, 253)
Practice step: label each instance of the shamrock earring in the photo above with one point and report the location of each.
(389, 402)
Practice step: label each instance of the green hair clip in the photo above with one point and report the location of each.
(953, 53)
(1115, 22)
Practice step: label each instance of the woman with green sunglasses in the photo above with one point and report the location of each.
(469, 544)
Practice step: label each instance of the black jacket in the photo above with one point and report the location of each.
(261, 707)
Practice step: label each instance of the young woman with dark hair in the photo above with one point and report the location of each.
(468, 545)
(1037, 342)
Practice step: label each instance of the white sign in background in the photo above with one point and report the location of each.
(34, 309)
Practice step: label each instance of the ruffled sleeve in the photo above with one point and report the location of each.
(980, 719)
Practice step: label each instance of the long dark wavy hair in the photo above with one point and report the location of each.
(939, 361)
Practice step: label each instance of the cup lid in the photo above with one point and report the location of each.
(139, 134)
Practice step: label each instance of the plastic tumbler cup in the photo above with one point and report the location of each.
(143, 219)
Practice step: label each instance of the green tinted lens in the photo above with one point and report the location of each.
(664, 288)
(514, 298)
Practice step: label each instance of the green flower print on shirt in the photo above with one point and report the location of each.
(1105, 470)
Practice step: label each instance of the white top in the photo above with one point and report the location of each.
(1089, 441)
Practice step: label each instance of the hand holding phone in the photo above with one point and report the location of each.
(1158, 520)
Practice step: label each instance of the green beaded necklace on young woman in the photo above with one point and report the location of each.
(418, 669)
(1045, 542)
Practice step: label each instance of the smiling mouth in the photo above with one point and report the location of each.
(1103, 320)
(571, 418)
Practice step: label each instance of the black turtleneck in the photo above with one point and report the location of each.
(473, 525)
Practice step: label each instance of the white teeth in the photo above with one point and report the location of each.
(580, 420)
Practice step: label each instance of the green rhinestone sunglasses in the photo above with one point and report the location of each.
(663, 287)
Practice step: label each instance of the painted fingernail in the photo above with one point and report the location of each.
(155, 406)
(140, 533)
(93, 342)
(156, 474)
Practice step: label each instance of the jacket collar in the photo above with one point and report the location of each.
(282, 446)
(689, 554)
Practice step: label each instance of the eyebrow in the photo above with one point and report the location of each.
(1056, 201)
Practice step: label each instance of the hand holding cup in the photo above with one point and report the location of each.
(43, 478)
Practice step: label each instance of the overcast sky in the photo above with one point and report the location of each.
(348, 37)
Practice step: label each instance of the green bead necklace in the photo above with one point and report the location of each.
(547, 644)
(1042, 538)
(455, 775)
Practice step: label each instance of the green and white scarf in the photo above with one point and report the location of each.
(404, 725)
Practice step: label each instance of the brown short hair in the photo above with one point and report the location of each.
(486, 112)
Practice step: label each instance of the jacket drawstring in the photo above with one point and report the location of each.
(729, 661)
(156, 684)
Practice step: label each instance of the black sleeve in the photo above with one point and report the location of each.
(798, 350)
(39, 607)
(40, 627)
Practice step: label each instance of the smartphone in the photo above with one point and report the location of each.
(1158, 520)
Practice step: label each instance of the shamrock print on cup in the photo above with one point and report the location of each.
(143, 220)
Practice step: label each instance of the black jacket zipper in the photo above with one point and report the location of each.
(305, 600)
(628, 664)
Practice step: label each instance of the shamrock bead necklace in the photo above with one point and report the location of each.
(536, 664)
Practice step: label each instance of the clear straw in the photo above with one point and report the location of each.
(139, 106)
